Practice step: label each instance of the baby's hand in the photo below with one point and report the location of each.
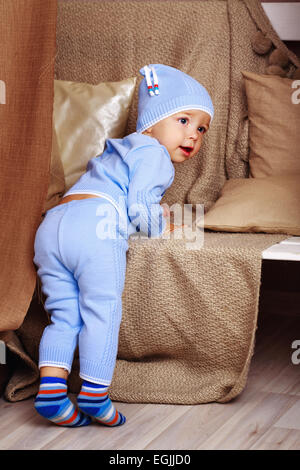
(171, 227)
(166, 210)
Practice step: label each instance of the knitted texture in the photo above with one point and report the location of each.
(175, 91)
(113, 48)
(189, 317)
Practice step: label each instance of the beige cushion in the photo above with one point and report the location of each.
(268, 201)
(85, 116)
(274, 125)
(270, 205)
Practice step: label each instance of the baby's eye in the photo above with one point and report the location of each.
(201, 129)
(183, 120)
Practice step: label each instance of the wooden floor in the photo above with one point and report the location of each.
(265, 416)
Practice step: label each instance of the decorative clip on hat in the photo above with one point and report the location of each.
(148, 70)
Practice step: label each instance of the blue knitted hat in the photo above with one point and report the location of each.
(165, 91)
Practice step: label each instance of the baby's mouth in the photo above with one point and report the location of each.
(186, 150)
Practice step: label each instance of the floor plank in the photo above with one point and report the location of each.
(291, 418)
(266, 415)
(278, 439)
(250, 422)
(198, 424)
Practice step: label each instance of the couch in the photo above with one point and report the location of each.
(189, 312)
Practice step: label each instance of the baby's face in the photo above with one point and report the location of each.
(181, 133)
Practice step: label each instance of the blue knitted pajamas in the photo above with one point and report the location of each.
(82, 275)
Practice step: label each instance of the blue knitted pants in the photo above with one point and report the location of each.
(82, 272)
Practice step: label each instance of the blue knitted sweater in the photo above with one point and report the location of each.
(133, 173)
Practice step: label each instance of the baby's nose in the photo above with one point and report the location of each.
(193, 134)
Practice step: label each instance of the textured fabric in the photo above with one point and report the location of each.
(190, 320)
(274, 116)
(270, 205)
(176, 91)
(82, 278)
(214, 55)
(26, 65)
(179, 306)
(134, 172)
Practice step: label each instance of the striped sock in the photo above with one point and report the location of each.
(53, 403)
(93, 400)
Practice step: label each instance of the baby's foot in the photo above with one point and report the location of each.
(53, 403)
(93, 400)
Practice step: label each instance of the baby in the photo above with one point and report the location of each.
(82, 270)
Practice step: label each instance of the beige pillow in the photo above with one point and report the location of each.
(274, 125)
(270, 205)
(84, 117)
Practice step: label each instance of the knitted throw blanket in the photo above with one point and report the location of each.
(189, 324)
(189, 316)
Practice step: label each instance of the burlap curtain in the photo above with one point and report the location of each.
(27, 56)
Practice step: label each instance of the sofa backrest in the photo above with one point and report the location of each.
(110, 40)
